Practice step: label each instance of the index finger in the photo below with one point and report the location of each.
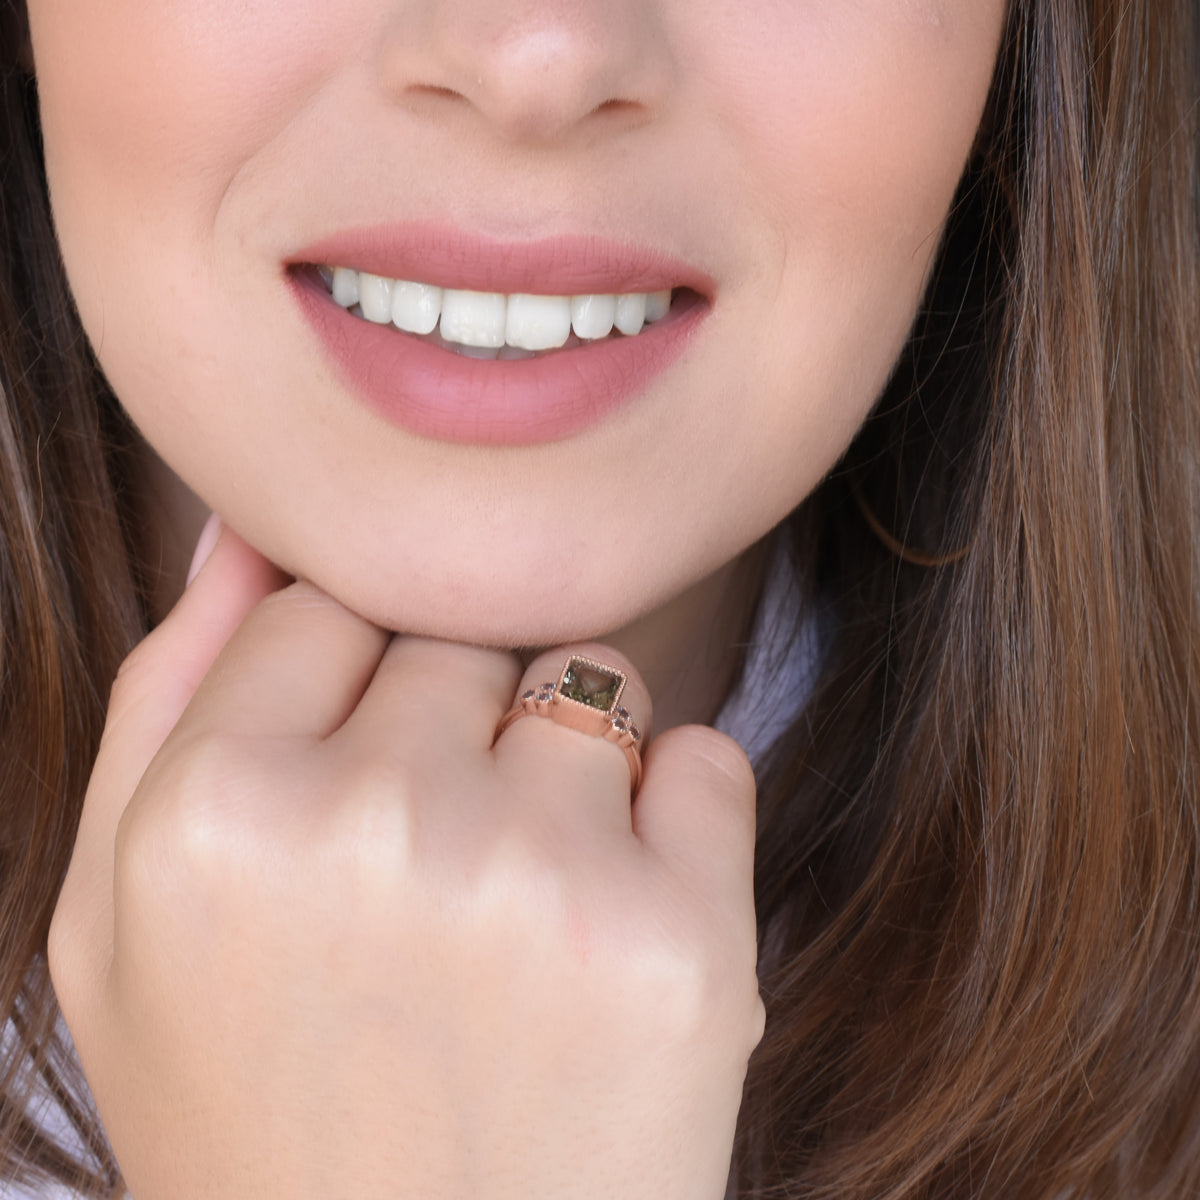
(152, 690)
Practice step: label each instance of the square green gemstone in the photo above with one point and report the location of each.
(586, 683)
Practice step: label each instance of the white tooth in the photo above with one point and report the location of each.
(415, 306)
(592, 316)
(512, 354)
(631, 313)
(345, 287)
(658, 304)
(486, 352)
(326, 274)
(473, 318)
(537, 322)
(375, 296)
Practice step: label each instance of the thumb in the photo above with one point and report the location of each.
(695, 810)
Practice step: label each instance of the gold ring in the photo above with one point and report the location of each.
(586, 698)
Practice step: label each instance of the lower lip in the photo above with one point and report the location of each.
(445, 396)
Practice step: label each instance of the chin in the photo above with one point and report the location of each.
(518, 619)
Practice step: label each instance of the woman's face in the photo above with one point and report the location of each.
(785, 166)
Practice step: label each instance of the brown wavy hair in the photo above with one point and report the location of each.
(978, 878)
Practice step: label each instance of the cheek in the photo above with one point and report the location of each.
(850, 124)
(868, 106)
(149, 107)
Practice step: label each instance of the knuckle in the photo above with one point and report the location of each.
(525, 885)
(705, 987)
(372, 828)
(185, 822)
(683, 987)
(516, 902)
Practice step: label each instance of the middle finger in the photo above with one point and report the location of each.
(429, 699)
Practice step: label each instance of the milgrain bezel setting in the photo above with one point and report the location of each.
(590, 684)
(586, 698)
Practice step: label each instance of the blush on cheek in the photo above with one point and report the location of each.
(146, 91)
(869, 106)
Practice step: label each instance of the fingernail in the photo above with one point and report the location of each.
(204, 545)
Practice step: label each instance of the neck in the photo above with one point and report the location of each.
(690, 650)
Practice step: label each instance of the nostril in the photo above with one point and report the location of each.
(434, 92)
(532, 71)
(616, 108)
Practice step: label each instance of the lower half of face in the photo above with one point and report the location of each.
(228, 179)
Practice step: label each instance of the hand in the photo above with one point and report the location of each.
(319, 938)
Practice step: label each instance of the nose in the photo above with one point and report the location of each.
(534, 70)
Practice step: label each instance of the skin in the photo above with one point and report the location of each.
(299, 814)
(804, 155)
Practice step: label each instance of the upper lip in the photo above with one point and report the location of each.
(442, 255)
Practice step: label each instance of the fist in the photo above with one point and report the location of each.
(323, 934)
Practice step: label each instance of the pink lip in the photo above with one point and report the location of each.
(438, 394)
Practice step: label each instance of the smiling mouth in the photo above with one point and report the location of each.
(494, 325)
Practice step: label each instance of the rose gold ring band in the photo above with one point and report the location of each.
(585, 698)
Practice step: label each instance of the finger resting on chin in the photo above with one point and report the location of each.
(430, 697)
(296, 667)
